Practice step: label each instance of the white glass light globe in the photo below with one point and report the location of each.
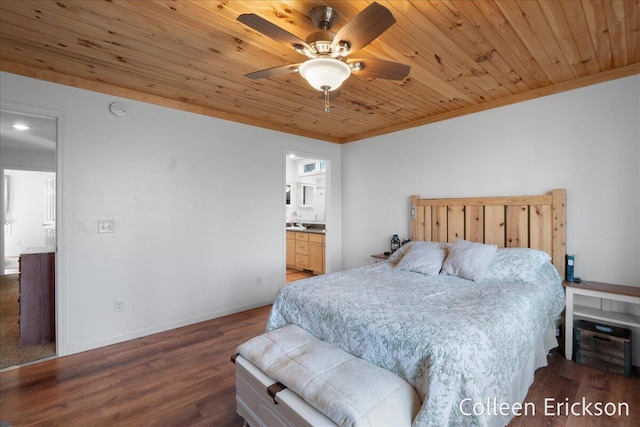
(325, 72)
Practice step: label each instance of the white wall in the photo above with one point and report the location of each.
(586, 140)
(198, 205)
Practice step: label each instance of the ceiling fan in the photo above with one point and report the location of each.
(326, 67)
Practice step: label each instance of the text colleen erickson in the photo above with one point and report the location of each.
(551, 407)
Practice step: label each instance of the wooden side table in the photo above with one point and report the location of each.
(604, 291)
(380, 257)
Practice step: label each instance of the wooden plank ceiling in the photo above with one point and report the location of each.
(465, 56)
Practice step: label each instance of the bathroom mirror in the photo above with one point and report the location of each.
(307, 195)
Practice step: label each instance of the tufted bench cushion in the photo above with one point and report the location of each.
(345, 388)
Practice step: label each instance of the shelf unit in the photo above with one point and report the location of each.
(604, 291)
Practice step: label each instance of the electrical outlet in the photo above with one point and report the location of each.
(106, 226)
(118, 305)
(259, 281)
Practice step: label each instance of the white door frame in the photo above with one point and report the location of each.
(61, 223)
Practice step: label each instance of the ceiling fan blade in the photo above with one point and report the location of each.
(379, 68)
(265, 27)
(273, 71)
(365, 27)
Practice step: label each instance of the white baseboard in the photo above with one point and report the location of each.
(79, 348)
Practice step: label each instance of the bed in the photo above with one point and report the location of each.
(465, 313)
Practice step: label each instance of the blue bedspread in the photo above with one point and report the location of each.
(452, 339)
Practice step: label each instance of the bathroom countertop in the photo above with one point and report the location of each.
(306, 230)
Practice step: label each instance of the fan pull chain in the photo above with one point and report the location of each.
(327, 108)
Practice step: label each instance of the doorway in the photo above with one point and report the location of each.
(306, 197)
(28, 143)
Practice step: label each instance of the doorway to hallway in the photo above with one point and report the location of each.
(29, 210)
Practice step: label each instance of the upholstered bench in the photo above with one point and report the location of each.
(289, 377)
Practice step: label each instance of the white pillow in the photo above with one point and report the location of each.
(517, 264)
(399, 253)
(425, 258)
(469, 260)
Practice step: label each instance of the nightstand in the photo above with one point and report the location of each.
(380, 257)
(603, 291)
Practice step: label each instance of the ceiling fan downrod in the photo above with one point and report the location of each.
(324, 17)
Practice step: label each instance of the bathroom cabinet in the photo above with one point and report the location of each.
(305, 251)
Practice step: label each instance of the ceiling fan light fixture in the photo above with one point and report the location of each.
(321, 73)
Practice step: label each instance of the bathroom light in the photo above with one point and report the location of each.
(325, 74)
(20, 126)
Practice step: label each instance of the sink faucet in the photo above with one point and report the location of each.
(295, 220)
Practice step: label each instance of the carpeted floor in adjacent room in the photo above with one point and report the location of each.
(10, 352)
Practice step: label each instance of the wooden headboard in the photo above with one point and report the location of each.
(523, 221)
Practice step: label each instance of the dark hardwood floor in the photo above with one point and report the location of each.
(184, 377)
(567, 383)
(293, 275)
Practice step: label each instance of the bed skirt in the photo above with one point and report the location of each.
(524, 378)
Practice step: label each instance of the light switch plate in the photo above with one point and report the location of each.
(106, 226)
